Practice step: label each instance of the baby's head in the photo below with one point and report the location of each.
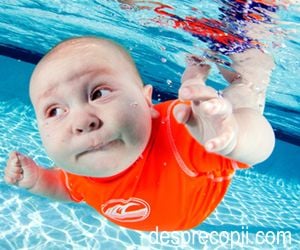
(93, 112)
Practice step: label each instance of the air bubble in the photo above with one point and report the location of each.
(163, 60)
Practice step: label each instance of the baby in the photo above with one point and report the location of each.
(140, 165)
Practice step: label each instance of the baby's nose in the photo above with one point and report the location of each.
(86, 124)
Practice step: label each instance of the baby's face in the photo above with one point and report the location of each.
(93, 113)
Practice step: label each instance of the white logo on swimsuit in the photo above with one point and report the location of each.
(131, 210)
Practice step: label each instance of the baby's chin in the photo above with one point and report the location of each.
(106, 161)
(101, 167)
(98, 172)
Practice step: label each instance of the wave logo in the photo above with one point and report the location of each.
(130, 210)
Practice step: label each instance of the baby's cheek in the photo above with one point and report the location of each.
(137, 123)
(52, 141)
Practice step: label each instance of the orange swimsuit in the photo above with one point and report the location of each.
(174, 185)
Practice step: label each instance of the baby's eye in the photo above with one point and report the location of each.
(55, 111)
(98, 93)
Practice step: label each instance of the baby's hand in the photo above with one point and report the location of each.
(209, 118)
(21, 171)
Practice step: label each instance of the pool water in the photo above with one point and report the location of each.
(264, 200)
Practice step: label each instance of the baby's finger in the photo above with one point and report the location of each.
(13, 169)
(216, 107)
(13, 179)
(13, 175)
(182, 112)
(223, 144)
(196, 92)
(9, 179)
(197, 72)
(14, 158)
(230, 75)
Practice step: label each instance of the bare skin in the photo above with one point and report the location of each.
(215, 122)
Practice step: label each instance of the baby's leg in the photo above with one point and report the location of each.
(249, 84)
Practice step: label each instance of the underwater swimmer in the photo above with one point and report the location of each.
(140, 165)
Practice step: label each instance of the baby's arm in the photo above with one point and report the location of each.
(241, 133)
(249, 80)
(25, 173)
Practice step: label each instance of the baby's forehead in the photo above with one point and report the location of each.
(77, 49)
(84, 54)
(85, 45)
(68, 51)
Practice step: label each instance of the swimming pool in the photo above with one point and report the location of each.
(263, 201)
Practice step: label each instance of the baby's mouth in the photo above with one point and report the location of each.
(101, 147)
(105, 146)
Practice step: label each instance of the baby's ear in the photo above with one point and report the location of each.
(148, 89)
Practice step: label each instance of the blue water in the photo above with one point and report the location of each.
(265, 198)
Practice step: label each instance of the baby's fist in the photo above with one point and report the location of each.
(21, 171)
